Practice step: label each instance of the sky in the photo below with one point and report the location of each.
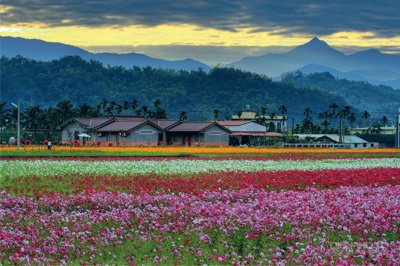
(218, 31)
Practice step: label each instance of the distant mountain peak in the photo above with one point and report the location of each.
(316, 43)
(316, 40)
(371, 52)
(316, 46)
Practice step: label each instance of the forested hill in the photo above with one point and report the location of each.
(358, 94)
(197, 92)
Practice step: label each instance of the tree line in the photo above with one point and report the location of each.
(228, 90)
(39, 123)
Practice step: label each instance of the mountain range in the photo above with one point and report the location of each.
(46, 51)
(316, 56)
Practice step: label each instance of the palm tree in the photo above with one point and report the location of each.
(66, 110)
(325, 124)
(384, 120)
(239, 114)
(139, 112)
(341, 114)
(32, 116)
(366, 116)
(85, 110)
(324, 115)
(134, 104)
(160, 112)
(145, 110)
(352, 118)
(113, 104)
(264, 110)
(3, 115)
(334, 107)
(157, 103)
(125, 105)
(119, 108)
(104, 104)
(308, 121)
(216, 113)
(283, 110)
(376, 128)
(307, 112)
(183, 116)
(346, 110)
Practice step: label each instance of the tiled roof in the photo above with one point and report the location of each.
(92, 122)
(120, 126)
(164, 123)
(346, 138)
(190, 127)
(267, 134)
(233, 122)
(95, 122)
(334, 137)
(128, 118)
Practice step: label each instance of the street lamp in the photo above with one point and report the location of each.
(18, 126)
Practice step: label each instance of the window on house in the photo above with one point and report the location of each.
(146, 132)
(214, 133)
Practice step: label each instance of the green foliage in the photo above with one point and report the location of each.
(359, 94)
(198, 93)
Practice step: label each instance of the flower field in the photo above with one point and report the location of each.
(196, 211)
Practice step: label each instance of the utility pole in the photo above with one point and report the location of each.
(340, 129)
(398, 130)
(18, 126)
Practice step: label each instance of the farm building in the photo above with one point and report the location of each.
(247, 132)
(278, 121)
(332, 141)
(198, 134)
(138, 131)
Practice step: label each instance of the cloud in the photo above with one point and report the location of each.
(322, 17)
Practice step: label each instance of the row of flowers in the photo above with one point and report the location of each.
(197, 183)
(247, 226)
(275, 157)
(213, 150)
(48, 167)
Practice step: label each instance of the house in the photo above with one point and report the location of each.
(128, 133)
(384, 140)
(118, 130)
(247, 132)
(332, 141)
(111, 130)
(365, 130)
(278, 121)
(75, 126)
(164, 124)
(198, 134)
